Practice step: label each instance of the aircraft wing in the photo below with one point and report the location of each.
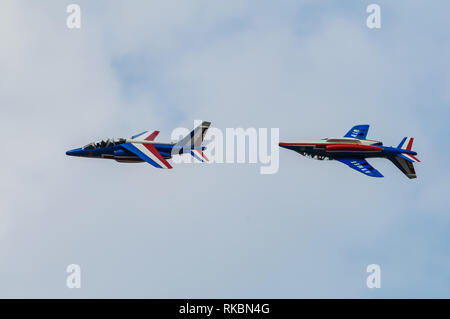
(148, 153)
(360, 165)
(358, 131)
(146, 135)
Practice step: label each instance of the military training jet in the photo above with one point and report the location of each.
(354, 148)
(143, 148)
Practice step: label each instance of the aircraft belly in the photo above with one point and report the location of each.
(123, 158)
(129, 160)
(303, 149)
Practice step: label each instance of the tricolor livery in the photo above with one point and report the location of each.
(354, 148)
(143, 148)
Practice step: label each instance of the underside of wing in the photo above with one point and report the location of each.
(360, 165)
(148, 153)
(358, 131)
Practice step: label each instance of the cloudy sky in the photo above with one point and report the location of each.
(310, 68)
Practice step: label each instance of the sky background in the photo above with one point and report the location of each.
(311, 68)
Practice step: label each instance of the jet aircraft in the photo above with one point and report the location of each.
(143, 148)
(354, 148)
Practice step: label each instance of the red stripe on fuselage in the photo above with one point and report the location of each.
(353, 148)
(338, 146)
(155, 152)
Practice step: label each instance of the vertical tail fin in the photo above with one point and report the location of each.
(406, 143)
(193, 141)
(195, 138)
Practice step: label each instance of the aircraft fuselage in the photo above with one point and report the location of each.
(334, 148)
(119, 153)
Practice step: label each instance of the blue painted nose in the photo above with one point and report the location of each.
(75, 152)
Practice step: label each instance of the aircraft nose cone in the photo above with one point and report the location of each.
(74, 152)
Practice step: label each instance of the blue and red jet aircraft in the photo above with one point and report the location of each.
(354, 148)
(143, 148)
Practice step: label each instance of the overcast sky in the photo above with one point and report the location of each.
(310, 68)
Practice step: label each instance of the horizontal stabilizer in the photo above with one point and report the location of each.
(199, 155)
(409, 158)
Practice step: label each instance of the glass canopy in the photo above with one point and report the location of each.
(104, 143)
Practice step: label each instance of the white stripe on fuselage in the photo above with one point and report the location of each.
(144, 150)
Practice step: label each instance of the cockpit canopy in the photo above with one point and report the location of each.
(349, 140)
(104, 143)
(343, 140)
